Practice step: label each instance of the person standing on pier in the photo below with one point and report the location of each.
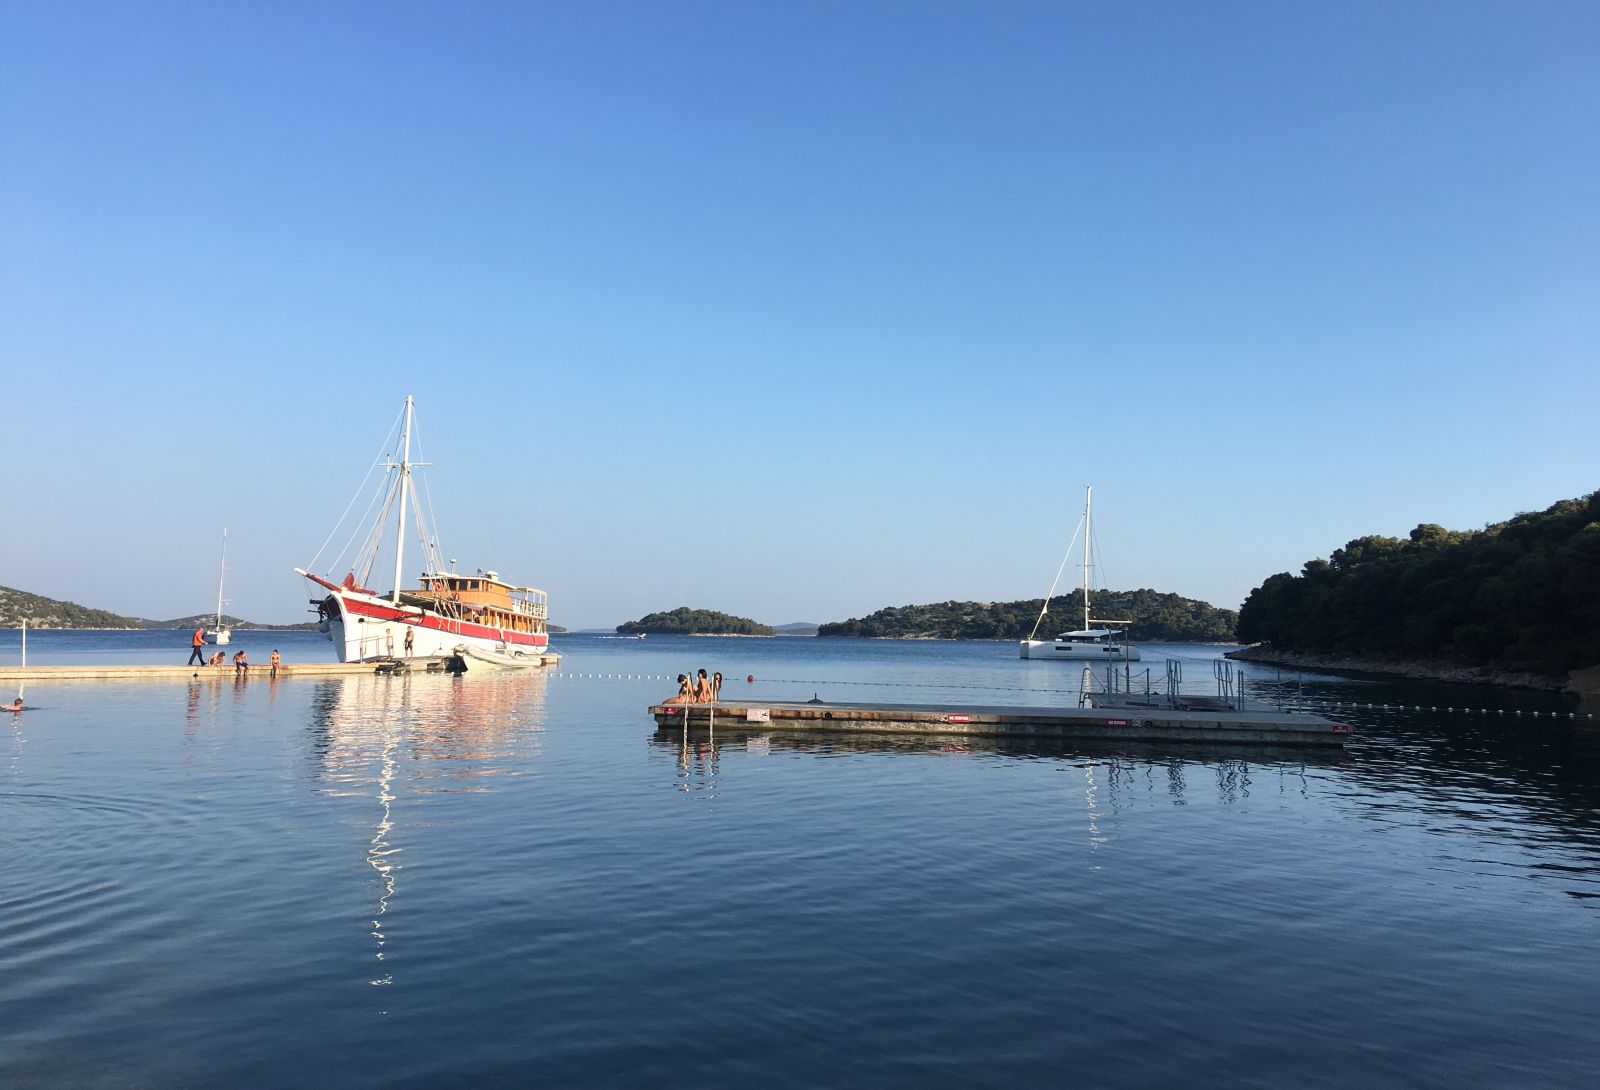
(199, 641)
(275, 661)
(409, 641)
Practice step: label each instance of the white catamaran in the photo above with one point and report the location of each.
(1088, 643)
(479, 617)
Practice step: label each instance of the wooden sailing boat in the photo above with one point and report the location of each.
(479, 617)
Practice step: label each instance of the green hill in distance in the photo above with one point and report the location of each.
(17, 606)
(684, 621)
(1156, 617)
(210, 621)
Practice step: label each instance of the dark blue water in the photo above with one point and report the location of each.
(516, 879)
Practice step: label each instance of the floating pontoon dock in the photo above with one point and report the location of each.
(1232, 726)
(430, 665)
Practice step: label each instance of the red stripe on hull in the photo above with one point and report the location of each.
(424, 619)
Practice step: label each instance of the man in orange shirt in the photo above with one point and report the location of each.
(199, 641)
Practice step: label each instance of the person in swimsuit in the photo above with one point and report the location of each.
(275, 661)
(218, 659)
(685, 692)
(716, 686)
(14, 706)
(241, 665)
(702, 689)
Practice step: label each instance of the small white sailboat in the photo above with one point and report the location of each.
(220, 633)
(1087, 643)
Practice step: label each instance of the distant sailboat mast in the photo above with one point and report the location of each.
(221, 635)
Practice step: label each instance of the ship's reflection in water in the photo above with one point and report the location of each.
(1110, 773)
(385, 738)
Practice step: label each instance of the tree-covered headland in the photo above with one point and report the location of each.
(684, 621)
(17, 606)
(1156, 617)
(1520, 595)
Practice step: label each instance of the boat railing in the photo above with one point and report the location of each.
(530, 607)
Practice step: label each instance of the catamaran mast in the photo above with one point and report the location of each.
(405, 486)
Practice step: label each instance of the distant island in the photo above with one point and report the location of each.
(1517, 602)
(1156, 617)
(684, 621)
(17, 606)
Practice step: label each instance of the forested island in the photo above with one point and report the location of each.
(1520, 597)
(17, 606)
(1156, 617)
(40, 612)
(684, 621)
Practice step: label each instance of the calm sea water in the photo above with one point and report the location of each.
(516, 879)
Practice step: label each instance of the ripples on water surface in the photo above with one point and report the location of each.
(518, 879)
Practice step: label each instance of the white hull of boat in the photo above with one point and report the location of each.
(364, 628)
(220, 636)
(1072, 651)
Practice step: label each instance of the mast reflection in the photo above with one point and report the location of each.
(390, 738)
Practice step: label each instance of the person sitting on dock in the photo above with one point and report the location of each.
(218, 659)
(241, 664)
(716, 686)
(685, 692)
(702, 688)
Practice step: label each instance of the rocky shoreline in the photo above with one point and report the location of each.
(1416, 669)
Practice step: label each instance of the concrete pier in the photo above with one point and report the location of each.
(42, 674)
(1231, 726)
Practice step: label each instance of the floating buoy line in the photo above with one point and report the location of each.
(1353, 705)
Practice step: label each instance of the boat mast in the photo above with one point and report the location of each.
(1088, 503)
(405, 486)
(222, 571)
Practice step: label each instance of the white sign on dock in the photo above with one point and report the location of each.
(758, 715)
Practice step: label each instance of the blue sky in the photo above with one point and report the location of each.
(793, 311)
